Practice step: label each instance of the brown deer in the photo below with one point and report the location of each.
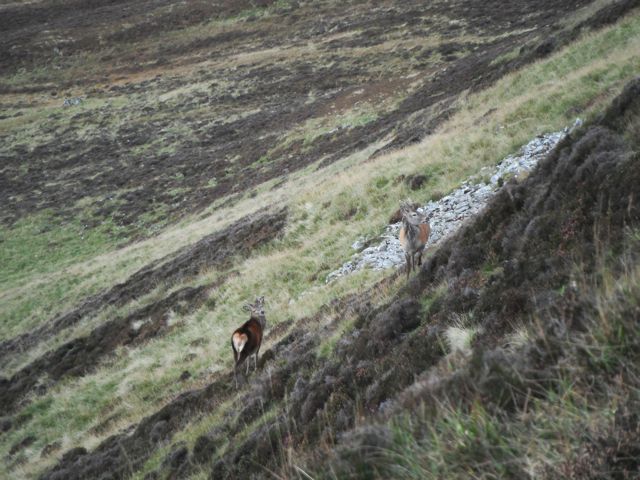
(414, 234)
(246, 340)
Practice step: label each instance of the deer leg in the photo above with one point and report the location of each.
(235, 374)
(407, 257)
(248, 364)
(256, 358)
(420, 257)
(411, 263)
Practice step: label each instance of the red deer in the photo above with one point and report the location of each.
(246, 340)
(414, 234)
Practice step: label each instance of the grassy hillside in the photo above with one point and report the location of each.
(214, 158)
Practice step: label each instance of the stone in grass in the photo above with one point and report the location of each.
(70, 102)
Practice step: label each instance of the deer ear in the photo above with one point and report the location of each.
(246, 307)
(260, 300)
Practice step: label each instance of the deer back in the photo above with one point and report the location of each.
(253, 330)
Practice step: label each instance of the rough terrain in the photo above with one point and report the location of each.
(145, 147)
(527, 232)
(447, 215)
(175, 124)
(81, 355)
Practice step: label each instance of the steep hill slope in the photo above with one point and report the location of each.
(205, 155)
(186, 103)
(539, 262)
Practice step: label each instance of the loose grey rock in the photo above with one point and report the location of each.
(448, 214)
(359, 244)
(73, 101)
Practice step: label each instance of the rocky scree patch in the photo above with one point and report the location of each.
(448, 214)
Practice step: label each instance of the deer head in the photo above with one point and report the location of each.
(256, 309)
(410, 215)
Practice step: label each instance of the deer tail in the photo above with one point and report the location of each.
(239, 340)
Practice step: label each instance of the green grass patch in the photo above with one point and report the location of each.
(42, 242)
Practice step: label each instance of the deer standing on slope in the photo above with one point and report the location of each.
(246, 340)
(414, 234)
